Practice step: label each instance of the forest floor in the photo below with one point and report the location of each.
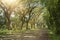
(39, 34)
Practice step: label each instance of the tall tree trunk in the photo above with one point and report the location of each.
(7, 16)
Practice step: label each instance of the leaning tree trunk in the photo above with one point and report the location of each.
(7, 16)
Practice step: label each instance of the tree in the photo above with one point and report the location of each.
(53, 8)
(7, 12)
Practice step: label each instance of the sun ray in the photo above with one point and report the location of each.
(9, 2)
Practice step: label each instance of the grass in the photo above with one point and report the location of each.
(54, 37)
(3, 31)
(6, 31)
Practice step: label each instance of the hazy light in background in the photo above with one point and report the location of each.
(8, 1)
(12, 15)
(11, 3)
